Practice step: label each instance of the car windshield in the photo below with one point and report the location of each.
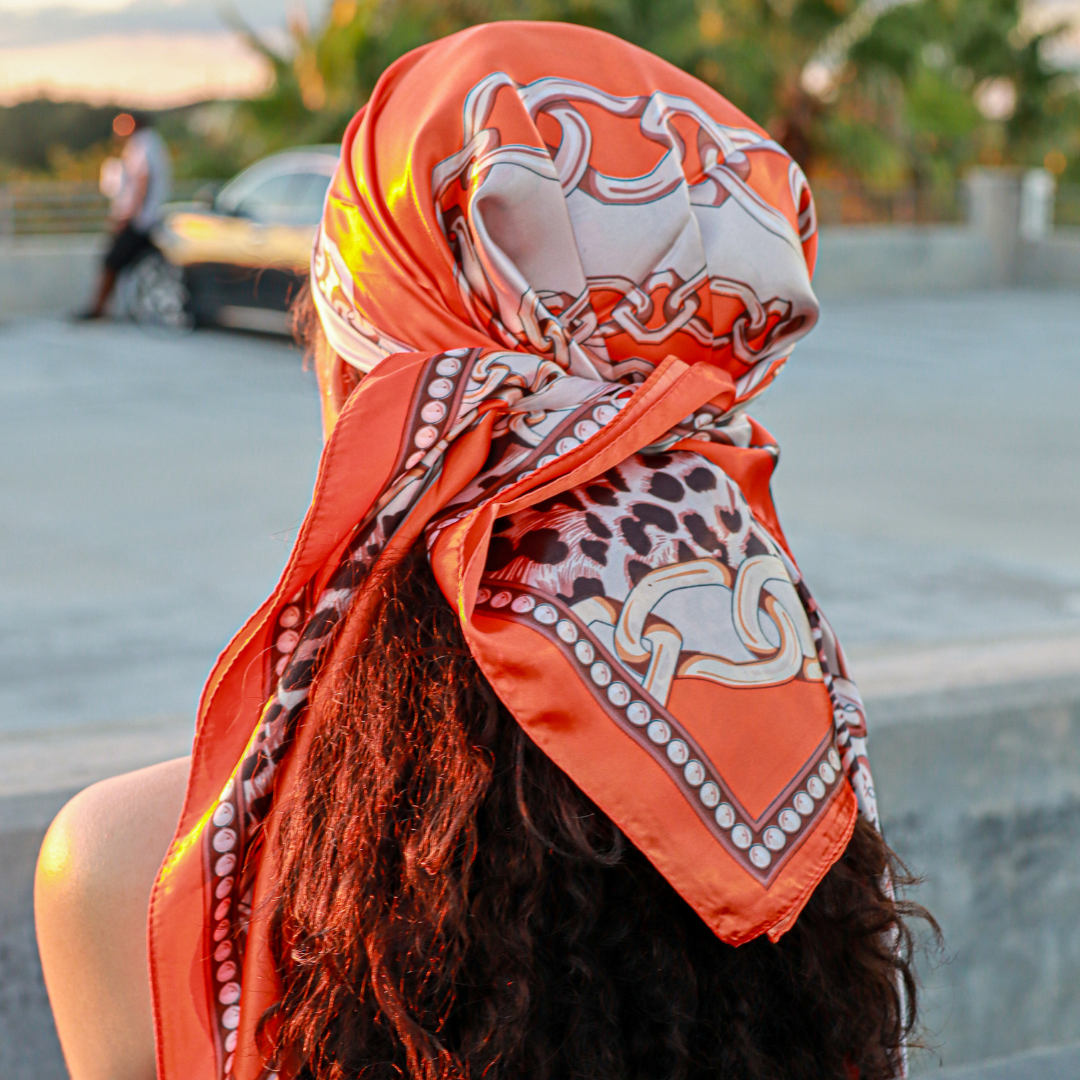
(291, 198)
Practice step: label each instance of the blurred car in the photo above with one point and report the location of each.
(244, 255)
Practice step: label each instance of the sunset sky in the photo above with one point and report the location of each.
(149, 52)
(170, 52)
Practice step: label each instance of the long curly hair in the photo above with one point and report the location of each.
(451, 905)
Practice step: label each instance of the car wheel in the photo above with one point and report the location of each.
(157, 295)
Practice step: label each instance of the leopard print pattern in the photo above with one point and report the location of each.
(658, 570)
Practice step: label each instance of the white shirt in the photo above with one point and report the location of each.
(145, 157)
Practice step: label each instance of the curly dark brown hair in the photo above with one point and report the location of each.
(453, 906)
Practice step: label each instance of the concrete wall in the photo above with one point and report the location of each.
(876, 260)
(47, 275)
(892, 260)
(39, 772)
(1060, 1063)
(980, 793)
(1008, 240)
(29, 1049)
(1053, 262)
(54, 275)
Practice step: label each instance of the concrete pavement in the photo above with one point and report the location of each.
(150, 488)
(1058, 1064)
(930, 459)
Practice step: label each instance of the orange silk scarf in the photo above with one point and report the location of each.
(566, 267)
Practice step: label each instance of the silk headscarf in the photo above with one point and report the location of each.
(564, 268)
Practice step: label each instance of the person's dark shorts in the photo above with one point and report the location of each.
(128, 245)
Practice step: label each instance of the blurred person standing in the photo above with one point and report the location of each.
(138, 184)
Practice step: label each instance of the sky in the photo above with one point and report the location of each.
(151, 53)
(157, 53)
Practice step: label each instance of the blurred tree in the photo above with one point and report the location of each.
(941, 84)
(890, 91)
(32, 131)
(752, 51)
(330, 70)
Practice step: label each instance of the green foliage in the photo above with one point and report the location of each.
(36, 134)
(967, 82)
(866, 150)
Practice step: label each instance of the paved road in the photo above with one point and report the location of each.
(930, 474)
(150, 488)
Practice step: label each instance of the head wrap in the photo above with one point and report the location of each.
(566, 267)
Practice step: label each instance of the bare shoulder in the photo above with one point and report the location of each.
(116, 825)
(95, 871)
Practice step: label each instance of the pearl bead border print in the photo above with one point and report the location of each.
(224, 848)
(760, 846)
(435, 405)
(236, 813)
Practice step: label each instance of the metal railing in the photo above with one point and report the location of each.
(51, 207)
(1067, 205)
(37, 207)
(844, 202)
(55, 206)
(850, 203)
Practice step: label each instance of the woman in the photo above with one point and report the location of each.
(541, 760)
